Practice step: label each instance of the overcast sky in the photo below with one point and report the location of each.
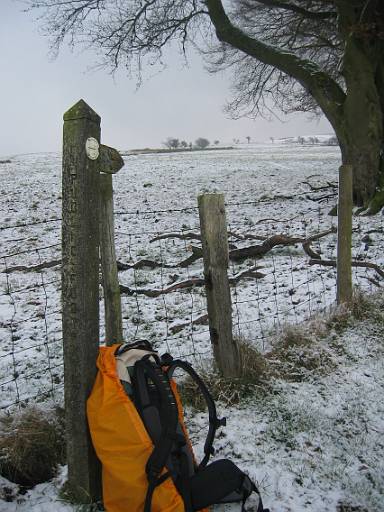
(184, 102)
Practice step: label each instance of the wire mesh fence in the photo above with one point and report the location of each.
(30, 324)
(162, 283)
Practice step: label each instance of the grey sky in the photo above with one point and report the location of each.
(184, 102)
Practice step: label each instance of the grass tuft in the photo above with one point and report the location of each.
(253, 375)
(299, 352)
(31, 446)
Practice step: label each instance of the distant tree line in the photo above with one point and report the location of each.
(200, 143)
(294, 55)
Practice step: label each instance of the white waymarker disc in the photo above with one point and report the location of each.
(92, 148)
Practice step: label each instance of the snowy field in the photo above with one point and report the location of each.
(269, 190)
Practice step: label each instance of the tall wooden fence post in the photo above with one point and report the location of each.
(214, 239)
(344, 237)
(80, 293)
(111, 287)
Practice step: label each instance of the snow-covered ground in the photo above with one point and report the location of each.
(270, 189)
(313, 443)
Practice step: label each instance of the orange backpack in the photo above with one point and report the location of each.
(136, 422)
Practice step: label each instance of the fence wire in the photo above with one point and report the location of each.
(163, 294)
(31, 359)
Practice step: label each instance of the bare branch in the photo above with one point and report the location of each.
(190, 283)
(362, 264)
(317, 15)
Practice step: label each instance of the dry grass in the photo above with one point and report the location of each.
(362, 307)
(31, 446)
(253, 374)
(299, 352)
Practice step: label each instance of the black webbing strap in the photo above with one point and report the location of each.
(151, 488)
(184, 483)
(162, 436)
(260, 507)
(214, 421)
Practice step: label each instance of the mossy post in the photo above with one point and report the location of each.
(214, 239)
(344, 236)
(80, 293)
(111, 162)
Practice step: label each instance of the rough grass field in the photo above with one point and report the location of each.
(311, 435)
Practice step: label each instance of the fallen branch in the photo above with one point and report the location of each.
(322, 198)
(275, 240)
(310, 252)
(182, 285)
(196, 236)
(246, 236)
(201, 320)
(373, 281)
(197, 253)
(253, 251)
(260, 221)
(181, 236)
(322, 187)
(375, 231)
(363, 264)
(32, 268)
(249, 272)
(189, 283)
(143, 264)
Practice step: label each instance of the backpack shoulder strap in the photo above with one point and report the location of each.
(214, 421)
(161, 423)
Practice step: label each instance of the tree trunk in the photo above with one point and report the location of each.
(361, 133)
(364, 154)
(357, 115)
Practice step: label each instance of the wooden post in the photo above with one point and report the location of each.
(80, 293)
(344, 237)
(112, 300)
(214, 239)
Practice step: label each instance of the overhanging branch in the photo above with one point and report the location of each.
(319, 84)
(319, 15)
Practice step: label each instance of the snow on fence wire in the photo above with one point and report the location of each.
(30, 322)
(163, 294)
(276, 272)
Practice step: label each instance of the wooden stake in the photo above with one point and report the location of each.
(344, 237)
(112, 300)
(215, 255)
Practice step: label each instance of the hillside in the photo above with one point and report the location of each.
(309, 431)
(311, 437)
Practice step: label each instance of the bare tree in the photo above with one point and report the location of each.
(201, 143)
(248, 138)
(332, 141)
(171, 143)
(308, 55)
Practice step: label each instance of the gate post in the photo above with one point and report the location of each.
(344, 236)
(111, 163)
(214, 239)
(80, 292)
